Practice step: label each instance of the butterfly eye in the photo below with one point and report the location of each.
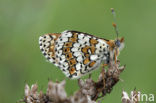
(117, 43)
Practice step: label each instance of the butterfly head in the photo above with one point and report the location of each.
(115, 46)
(119, 43)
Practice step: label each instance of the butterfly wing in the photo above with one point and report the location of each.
(78, 53)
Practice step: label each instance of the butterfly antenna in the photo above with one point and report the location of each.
(114, 23)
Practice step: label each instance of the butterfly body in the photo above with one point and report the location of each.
(77, 53)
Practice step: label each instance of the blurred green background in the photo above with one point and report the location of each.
(23, 21)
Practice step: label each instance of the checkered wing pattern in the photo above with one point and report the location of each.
(75, 53)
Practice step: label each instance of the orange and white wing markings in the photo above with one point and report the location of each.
(75, 53)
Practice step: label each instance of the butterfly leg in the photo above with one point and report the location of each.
(115, 58)
(116, 53)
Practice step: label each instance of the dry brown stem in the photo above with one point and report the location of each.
(90, 91)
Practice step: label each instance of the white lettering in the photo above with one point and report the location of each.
(144, 96)
(151, 97)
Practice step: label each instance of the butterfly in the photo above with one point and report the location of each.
(77, 53)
